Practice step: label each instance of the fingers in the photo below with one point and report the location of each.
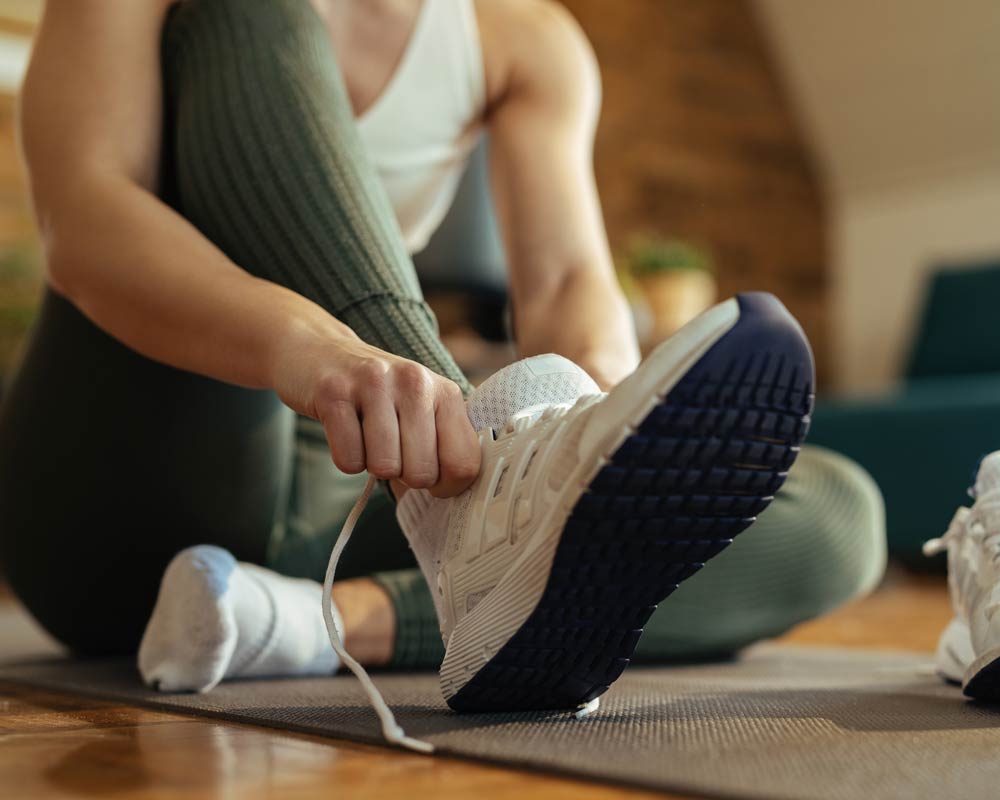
(399, 420)
(343, 433)
(457, 445)
(381, 434)
(417, 436)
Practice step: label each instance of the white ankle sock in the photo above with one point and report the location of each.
(217, 618)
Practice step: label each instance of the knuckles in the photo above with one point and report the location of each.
(399, 378)
(422, 477)
(461, 469)
(409, 383)
(371, 376)
(411, 378)
(384, 469)
(451, 392)
(333, 388)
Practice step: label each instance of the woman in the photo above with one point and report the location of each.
(227, 234)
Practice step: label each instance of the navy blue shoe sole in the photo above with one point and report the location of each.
(697, 471)
(985, 684)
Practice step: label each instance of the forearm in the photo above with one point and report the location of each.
(586, 319)
(150, 279)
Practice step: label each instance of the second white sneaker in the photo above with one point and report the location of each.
(969, 649)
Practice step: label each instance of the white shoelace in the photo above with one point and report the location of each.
(966, 522)
(391, 730)
(956, 529)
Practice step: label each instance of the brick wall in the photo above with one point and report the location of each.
(697, 141)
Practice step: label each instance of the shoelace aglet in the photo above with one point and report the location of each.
(933, 546)
(956, 527)
(417, 745)
(391, 730)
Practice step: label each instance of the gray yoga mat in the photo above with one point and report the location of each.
(783, 722)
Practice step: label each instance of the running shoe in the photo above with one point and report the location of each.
(591, 508)
(968, 652)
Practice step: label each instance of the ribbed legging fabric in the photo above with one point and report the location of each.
(111, 463)
(269, 166)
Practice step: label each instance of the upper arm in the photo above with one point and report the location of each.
(91, 100)
(542, 127)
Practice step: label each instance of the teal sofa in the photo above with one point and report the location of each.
(923, 441)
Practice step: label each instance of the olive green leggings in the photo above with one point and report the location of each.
(110, 463)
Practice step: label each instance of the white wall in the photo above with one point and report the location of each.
(886, 242)
(901, 100)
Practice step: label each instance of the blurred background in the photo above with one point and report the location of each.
(845, 156)
(20, 268)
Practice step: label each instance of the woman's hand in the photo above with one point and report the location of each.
(382, 413)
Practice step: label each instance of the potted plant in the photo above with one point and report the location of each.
(676, 278)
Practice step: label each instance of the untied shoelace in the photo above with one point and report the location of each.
(967, 522)
(391, 730)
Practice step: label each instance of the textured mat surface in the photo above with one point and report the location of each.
(782, 723)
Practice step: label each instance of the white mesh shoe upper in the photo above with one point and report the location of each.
(539, 380)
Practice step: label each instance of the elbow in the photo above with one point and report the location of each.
(71, 222)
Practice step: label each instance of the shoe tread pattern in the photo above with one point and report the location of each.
(705, 461)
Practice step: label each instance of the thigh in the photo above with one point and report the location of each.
(111, 463)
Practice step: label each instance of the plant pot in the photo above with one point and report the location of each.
(675, 297)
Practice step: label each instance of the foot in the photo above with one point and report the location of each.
(969, 649)
(216, 618)
(588, 513)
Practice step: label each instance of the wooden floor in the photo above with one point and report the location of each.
(54, 745)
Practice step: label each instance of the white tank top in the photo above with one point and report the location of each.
(420, 130)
